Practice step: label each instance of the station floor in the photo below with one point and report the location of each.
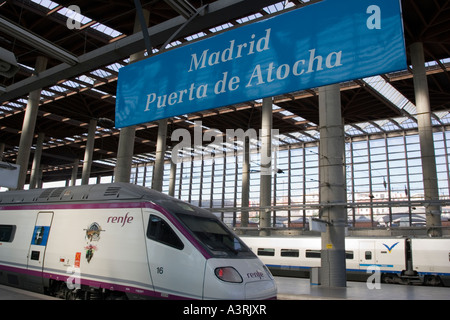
(10, 293)
(300, 289)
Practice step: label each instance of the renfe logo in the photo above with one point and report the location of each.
(122, 220)
(257, 274)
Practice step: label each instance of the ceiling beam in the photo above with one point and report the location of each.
(37, 42)
(218, 13)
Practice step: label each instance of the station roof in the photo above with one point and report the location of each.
(79, 83)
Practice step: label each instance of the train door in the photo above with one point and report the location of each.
(366, 254)
(176, 268)
(36, 253)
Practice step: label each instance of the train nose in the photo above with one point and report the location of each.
(260, 284)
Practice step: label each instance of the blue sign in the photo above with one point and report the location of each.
(40, 235)
(324, 43)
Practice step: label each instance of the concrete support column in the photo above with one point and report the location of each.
(332, 186)
(29, 123)
(2, 150)
(266, 166)
(158, 170)
(89, 152)
(73, 180)
(172, 178)
(39, 180)
(35, 168)
(430, 182)
(122, 172)
(245, 203)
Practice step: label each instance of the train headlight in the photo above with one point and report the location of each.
(228, 274)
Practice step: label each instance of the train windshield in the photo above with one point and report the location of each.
(215, 236)
(209, 230)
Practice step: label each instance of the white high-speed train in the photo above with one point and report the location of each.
(122, 241)
(399, 260)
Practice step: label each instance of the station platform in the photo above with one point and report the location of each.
(11, 293)
(300, 289)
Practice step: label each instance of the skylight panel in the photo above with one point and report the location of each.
(286, 113)
(290, 139)
(101, 73)
(221, 27)
(105, 162)
(58, 88)
(46, 93)
(6, 108)
(310, 135)
(352, 131)
(390, 93)
(282, 139)
(46, 3)
(409, 124)
(74, 15)
(106, 30)
(195, 36)
(380, 123)
(78, 17)
(372, 129)
(173, 44)
(278, 7)
(296, 135)
(114, 67)
(434, 121)
(71, 84)
(441, 114)
(12, 104)
(103, 93)
(249, 18)
(446, 119)
(402, 121)
(86, 79)
(389, 126)
(431, 64)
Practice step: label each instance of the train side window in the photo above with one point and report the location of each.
(368, 255)
(290, 253)
(266, 252)
(312, 254)
(160, 231)
(349, 255)
(7, 232)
